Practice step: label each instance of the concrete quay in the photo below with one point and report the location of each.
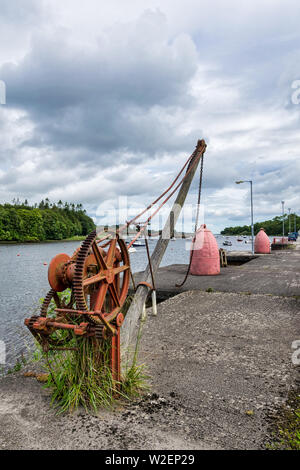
(276, 274)
(220, 366)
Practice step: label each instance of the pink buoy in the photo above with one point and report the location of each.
(206, 257)
(262, 243)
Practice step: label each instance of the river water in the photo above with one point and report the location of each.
(24, 281)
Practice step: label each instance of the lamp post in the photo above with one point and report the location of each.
(289, 219)
(282, 202)
(251, 197)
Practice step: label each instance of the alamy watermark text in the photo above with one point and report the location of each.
(2, 92)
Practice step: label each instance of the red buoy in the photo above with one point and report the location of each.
(262, 242)
(206, 257)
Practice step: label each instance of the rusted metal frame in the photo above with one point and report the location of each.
(115, 358)
(199, 152)
(120, 269)
(106, 323)
(112, 315)
(108, 316)
(94, 279)
(100, 298)
(60, 326)
(146, 284)
(161, 196)
(111, 253)
(73, 311)
(114, 294)
(67, 326)
(99, 258)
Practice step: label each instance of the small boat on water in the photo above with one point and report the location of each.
(239, 239)
(138, 243)
(132, 250)
(227, 243)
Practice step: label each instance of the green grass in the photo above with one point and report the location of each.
(18, 365)
(287, 427)
(83, 378)
(135, 380)
(75, 238)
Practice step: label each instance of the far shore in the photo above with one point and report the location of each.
(78, 238)
(32, 242)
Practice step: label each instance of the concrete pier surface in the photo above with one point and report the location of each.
(227, 359)
(220, 364)
(276, 274)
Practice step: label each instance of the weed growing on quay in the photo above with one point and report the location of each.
(286, 429)
(81, 374)
(82, 377)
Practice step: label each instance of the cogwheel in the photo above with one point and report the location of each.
(107, 278)
(44, 308)
(79, 269)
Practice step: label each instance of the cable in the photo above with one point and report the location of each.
(196, 224)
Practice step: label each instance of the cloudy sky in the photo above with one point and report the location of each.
(107, 99)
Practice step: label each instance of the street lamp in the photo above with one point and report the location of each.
(251, 196)
(282, 202)
(289, 209)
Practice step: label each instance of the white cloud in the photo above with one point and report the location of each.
(109, 100)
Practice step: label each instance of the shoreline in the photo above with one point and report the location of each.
(40, 242)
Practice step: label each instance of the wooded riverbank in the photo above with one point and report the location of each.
(23, 223)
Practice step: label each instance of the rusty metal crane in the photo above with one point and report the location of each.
(97, 277)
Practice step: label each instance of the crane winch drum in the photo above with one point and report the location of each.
(98, 276)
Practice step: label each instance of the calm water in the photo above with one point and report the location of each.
(24, 281)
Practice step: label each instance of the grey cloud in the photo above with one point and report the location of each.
(20, 12)
(104, 98)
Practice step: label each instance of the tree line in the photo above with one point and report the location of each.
(272, 227)
(21, 222)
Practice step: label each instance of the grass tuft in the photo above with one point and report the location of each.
(287, 427)
(82, 377)
(135, 381)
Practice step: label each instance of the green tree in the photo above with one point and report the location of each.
(21, 222)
